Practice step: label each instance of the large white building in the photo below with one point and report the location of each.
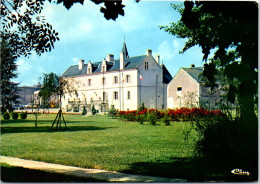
(125, 83)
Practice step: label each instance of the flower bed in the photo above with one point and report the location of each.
(182, 114)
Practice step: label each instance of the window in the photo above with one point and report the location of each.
(103, 68)
(103, 80)
(128, 95)
(116, 79)
(116, 95)
(146, 65)
(179, 88)
(89, 82)
(89, 70)
(127, 78)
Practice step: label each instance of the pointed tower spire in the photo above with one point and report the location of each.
(124, 50)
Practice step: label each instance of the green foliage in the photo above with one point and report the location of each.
(152, 118)
(166, 120)
(84, 112)
(14, 115)
(9, 89)
(93, 110)
(23, 115)
(142, 107)
(112, 111)
(25, 28)
(6, 116)
(211, 25)
(141, 118)
(50, 85)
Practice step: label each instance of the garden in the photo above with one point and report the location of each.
(146, 142)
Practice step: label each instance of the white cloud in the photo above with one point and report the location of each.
(23, 66)
(167, 50)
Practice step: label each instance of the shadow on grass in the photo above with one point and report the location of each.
(19, 174)
(192, 169)
(39, 121)
(5, 130)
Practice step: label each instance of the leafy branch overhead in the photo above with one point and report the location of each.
(23, 26)
(111, 9)
(25, 29)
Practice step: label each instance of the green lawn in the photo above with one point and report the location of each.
(104, 143)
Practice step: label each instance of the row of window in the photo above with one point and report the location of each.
(127, 80)
(115, 95)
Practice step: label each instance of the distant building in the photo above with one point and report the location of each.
(187, 90)
(26, 93)
(125, 83)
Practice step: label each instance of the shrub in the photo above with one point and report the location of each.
(166, 120)
(3, 110)
(6, 116)
(140, 118)
(152, 117)
(112, 111)
(23, 115)
(142, 107)
(84, 112)
(14, 115)
(93, 110)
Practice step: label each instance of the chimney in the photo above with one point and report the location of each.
(192, 65)
(110, 57)
(149, 52)
(122, 61)
(157, 58)
(81, 64)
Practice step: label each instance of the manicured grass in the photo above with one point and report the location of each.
(19, 174)
(93, 142)
(104, 143)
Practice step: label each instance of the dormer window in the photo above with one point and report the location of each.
(104, 65)
(89, 71)
(103, 68)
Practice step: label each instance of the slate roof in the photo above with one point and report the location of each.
(130, 63)
(167, 77)
(194, 72)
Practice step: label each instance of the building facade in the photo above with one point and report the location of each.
(124, 83)
(187, 90)
(26, 93)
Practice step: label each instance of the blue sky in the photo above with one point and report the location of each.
(85, 34)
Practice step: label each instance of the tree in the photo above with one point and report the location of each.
(25, 29)
(231, 28)
(9, 89)
(54, 85)
(111, 8)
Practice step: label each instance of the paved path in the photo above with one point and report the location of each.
(111, 176)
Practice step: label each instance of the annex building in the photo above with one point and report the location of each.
(186, 89)
(124, 83)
